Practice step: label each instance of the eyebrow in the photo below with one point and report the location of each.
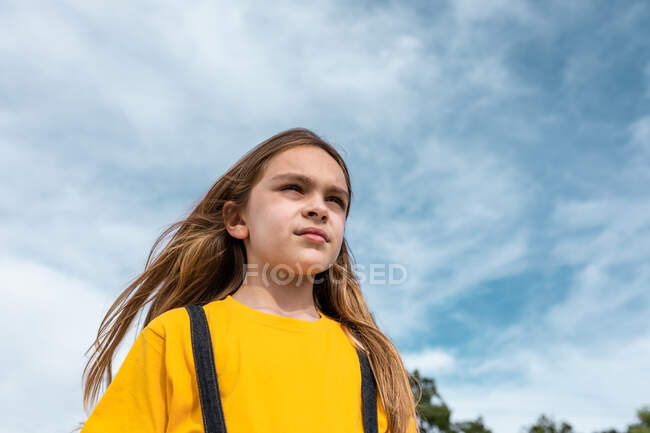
(309, 181)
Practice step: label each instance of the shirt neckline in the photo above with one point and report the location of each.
(273, 320)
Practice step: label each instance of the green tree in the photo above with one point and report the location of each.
(433, 413)
(545, 424)
(643, 426)
(475, 426)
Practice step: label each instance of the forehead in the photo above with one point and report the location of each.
(310, 161)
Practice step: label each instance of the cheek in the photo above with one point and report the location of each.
(273, 222)
(338, 231)
(339, 226)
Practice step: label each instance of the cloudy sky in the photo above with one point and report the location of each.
(499, 151)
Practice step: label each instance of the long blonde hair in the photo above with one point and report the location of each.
(202, 263)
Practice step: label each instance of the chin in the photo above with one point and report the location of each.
(311, 268)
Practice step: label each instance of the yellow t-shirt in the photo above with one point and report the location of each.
(275, 374)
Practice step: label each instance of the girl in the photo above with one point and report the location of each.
(264, 254)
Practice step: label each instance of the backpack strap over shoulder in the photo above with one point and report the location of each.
(368, 392)
(206, 373)
(206, 376)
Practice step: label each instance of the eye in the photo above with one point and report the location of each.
(339, 201)
(296, 187)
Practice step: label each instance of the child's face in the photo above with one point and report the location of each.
(279, 206)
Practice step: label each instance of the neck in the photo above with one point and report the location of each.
(270, 295)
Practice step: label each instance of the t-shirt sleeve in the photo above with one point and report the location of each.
(136, 398)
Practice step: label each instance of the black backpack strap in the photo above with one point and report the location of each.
(368, 393)
(206, 376)
(206, 373)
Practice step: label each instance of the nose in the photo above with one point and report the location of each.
(316, 214)
(316, 209)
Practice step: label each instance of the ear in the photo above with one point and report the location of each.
(234, 221)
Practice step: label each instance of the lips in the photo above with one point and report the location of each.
(314, 230)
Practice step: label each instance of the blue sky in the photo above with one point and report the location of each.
(499, 151)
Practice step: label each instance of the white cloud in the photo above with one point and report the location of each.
(640, 131)
(430, 362)
(47, 322)
(609, 241)
(582, 360)
(116, 118)
(590, 389)
(456, 219)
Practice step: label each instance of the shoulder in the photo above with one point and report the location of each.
(169, 322)
(171, 330)
(176, 321)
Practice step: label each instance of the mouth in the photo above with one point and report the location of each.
(314, 234)
(313, 237)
